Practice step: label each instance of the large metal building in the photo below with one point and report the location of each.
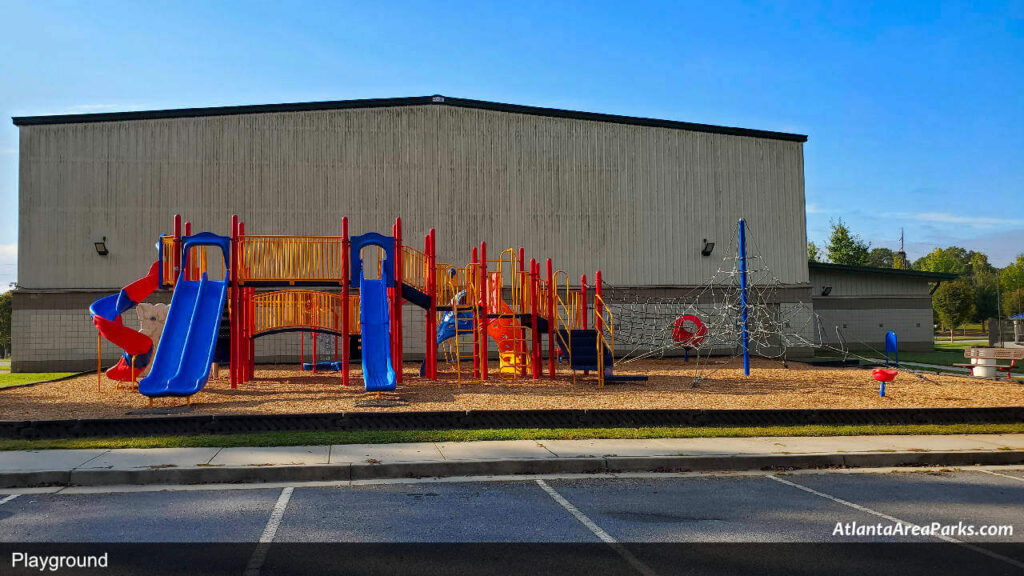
(634, 197)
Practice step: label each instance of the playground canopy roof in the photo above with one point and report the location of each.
(936, 276)
(398, 102)
(1017, 316)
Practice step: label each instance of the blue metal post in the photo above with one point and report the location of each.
(743, 296)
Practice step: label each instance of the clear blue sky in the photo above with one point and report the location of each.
(915, 111)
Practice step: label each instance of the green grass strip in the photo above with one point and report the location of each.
(8, 380)
(393, 436)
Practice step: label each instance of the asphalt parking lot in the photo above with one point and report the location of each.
(616, 522)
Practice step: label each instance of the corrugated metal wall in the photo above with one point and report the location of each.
(863, 306)
(633, 201)
(861, 284)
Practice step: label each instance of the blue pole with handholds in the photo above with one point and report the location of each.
(743, 296)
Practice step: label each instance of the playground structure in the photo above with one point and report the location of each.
(320, 285)
(353, 289)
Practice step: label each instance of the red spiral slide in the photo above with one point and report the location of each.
(506, 332)
(106, 315)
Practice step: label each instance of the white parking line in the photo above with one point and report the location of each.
(1017, 478)
(9, 498)
(260, 554)
(867, 510)
(604, 536)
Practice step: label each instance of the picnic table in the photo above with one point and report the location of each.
(985, 361)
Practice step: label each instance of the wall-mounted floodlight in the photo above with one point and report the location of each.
(707, 248)
(826, 290)
(101, 247)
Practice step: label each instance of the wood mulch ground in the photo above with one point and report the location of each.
(283, 389)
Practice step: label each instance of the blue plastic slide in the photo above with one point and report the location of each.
(182, 363)
(378, 375)
(202, 340)
(172, 340)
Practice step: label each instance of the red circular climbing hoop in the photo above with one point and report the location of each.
(689, 330)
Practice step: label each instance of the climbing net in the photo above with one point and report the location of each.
(706, 323)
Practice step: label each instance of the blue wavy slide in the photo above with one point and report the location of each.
(446, 329)
(378, 374)
(182, 363)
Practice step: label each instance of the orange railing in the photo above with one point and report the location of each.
(415, 266)
(570, 301)
(290, 259)
(197, 261)
(303, 310)
(167, 258)
(543, 294)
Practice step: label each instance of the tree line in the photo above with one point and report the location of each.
(981, 291)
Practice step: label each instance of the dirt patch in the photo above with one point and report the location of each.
(284, 389)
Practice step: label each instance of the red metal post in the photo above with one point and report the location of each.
(251, 327)
(598, 309)
(552, 324)
(484, 311)
(236, 338)
(519, 283)
(433, 300)
(177, 245)
(431, 319)
(583, 301)
(302, 350)
(245, 319)
(583, 307)
(535, 337)
(476, 333)
(345, 323)
(399, 280)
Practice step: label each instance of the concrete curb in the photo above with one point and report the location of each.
(589, 465)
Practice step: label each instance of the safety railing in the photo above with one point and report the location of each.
(572, 309)
(302, 310)
(415, 267)
(521, 292)
(197, 263)
(604, 324)
(563, 331)
(290, 259)
(453, 279)
(167, 252)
